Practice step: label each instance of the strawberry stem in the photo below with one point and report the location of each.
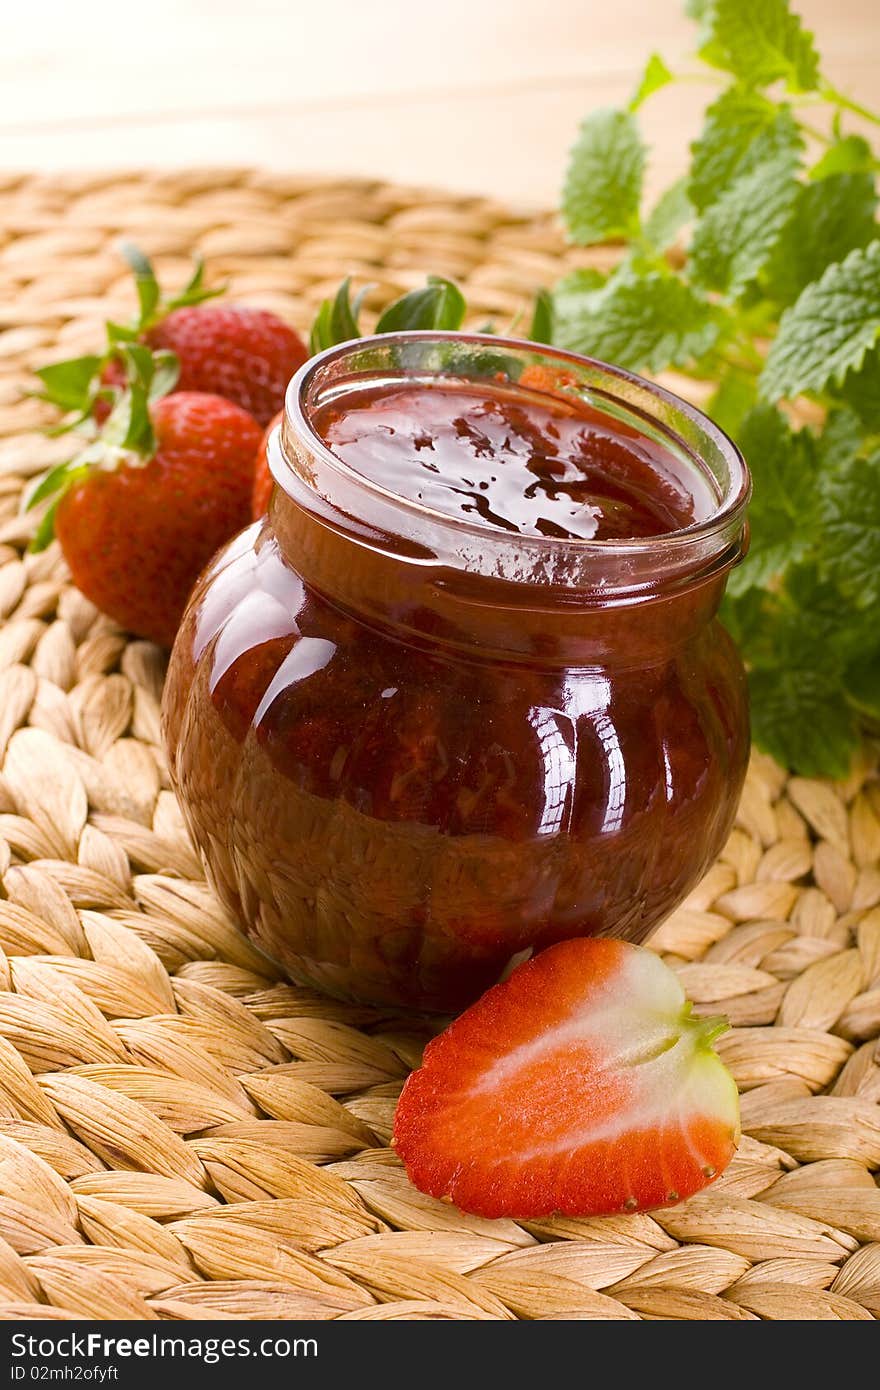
(708, 1029)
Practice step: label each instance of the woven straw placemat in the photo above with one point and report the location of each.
(183, 1135)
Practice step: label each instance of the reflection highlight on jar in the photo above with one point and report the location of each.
(309, 655)
(559, 733)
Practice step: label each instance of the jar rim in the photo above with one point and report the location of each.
(691, 547)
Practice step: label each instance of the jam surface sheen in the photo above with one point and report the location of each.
(555, 468)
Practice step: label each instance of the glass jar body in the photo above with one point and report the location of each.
(392, 821)
(410, 749)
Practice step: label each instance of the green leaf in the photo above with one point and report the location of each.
(139, 434)
(45, 532)
(120, 333)
(152, 306)
(791, 638)
(672, 211)
(69, 384)
(345, 314)
(128, 426)
(795, 622)
(439, 305)
(840, 440)
(861, 679)
(783, 512)
(336, 320)
(570, 289)
(195, 291)
(800, 716)
(760, 41)
(811, 632)
(737, 235)
(744, 616)
(54, 484)
(861, 391)
(541, 326)
(734, 397)
(166, 373)
(851, 528)
(648, 321)
(570, 296)
(603, 186)
(153, 373)
(741, 132)
(830, 218)
(655, 76)
(829, 329)
(777, 625)
(53, 481)
(321, 336)
(138, 362)
(851, 155)
(146, 284)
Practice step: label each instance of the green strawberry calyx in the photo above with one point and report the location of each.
(76, 384)
(127, 438)
(152, 304)
(438, 304)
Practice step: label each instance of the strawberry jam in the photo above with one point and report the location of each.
(551, 468)
(463, 693)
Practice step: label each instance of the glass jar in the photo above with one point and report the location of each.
(410, 748)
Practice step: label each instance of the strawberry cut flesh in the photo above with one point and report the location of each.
(581, 1085)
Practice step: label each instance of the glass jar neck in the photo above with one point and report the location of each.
(427, 575)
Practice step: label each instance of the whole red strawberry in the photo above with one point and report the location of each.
(263, 480)
(247, 355)
(142, 509)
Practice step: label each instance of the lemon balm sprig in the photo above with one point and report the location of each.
(760, 270)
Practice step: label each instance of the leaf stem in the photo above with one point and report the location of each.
(848, 103)
(741, 356)
(815, 134)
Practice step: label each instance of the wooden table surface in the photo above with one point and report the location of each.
(479, 95)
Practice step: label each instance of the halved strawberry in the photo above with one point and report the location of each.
(582, 1084)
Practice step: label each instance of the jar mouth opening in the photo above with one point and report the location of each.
(735, 495)
(316, 478)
